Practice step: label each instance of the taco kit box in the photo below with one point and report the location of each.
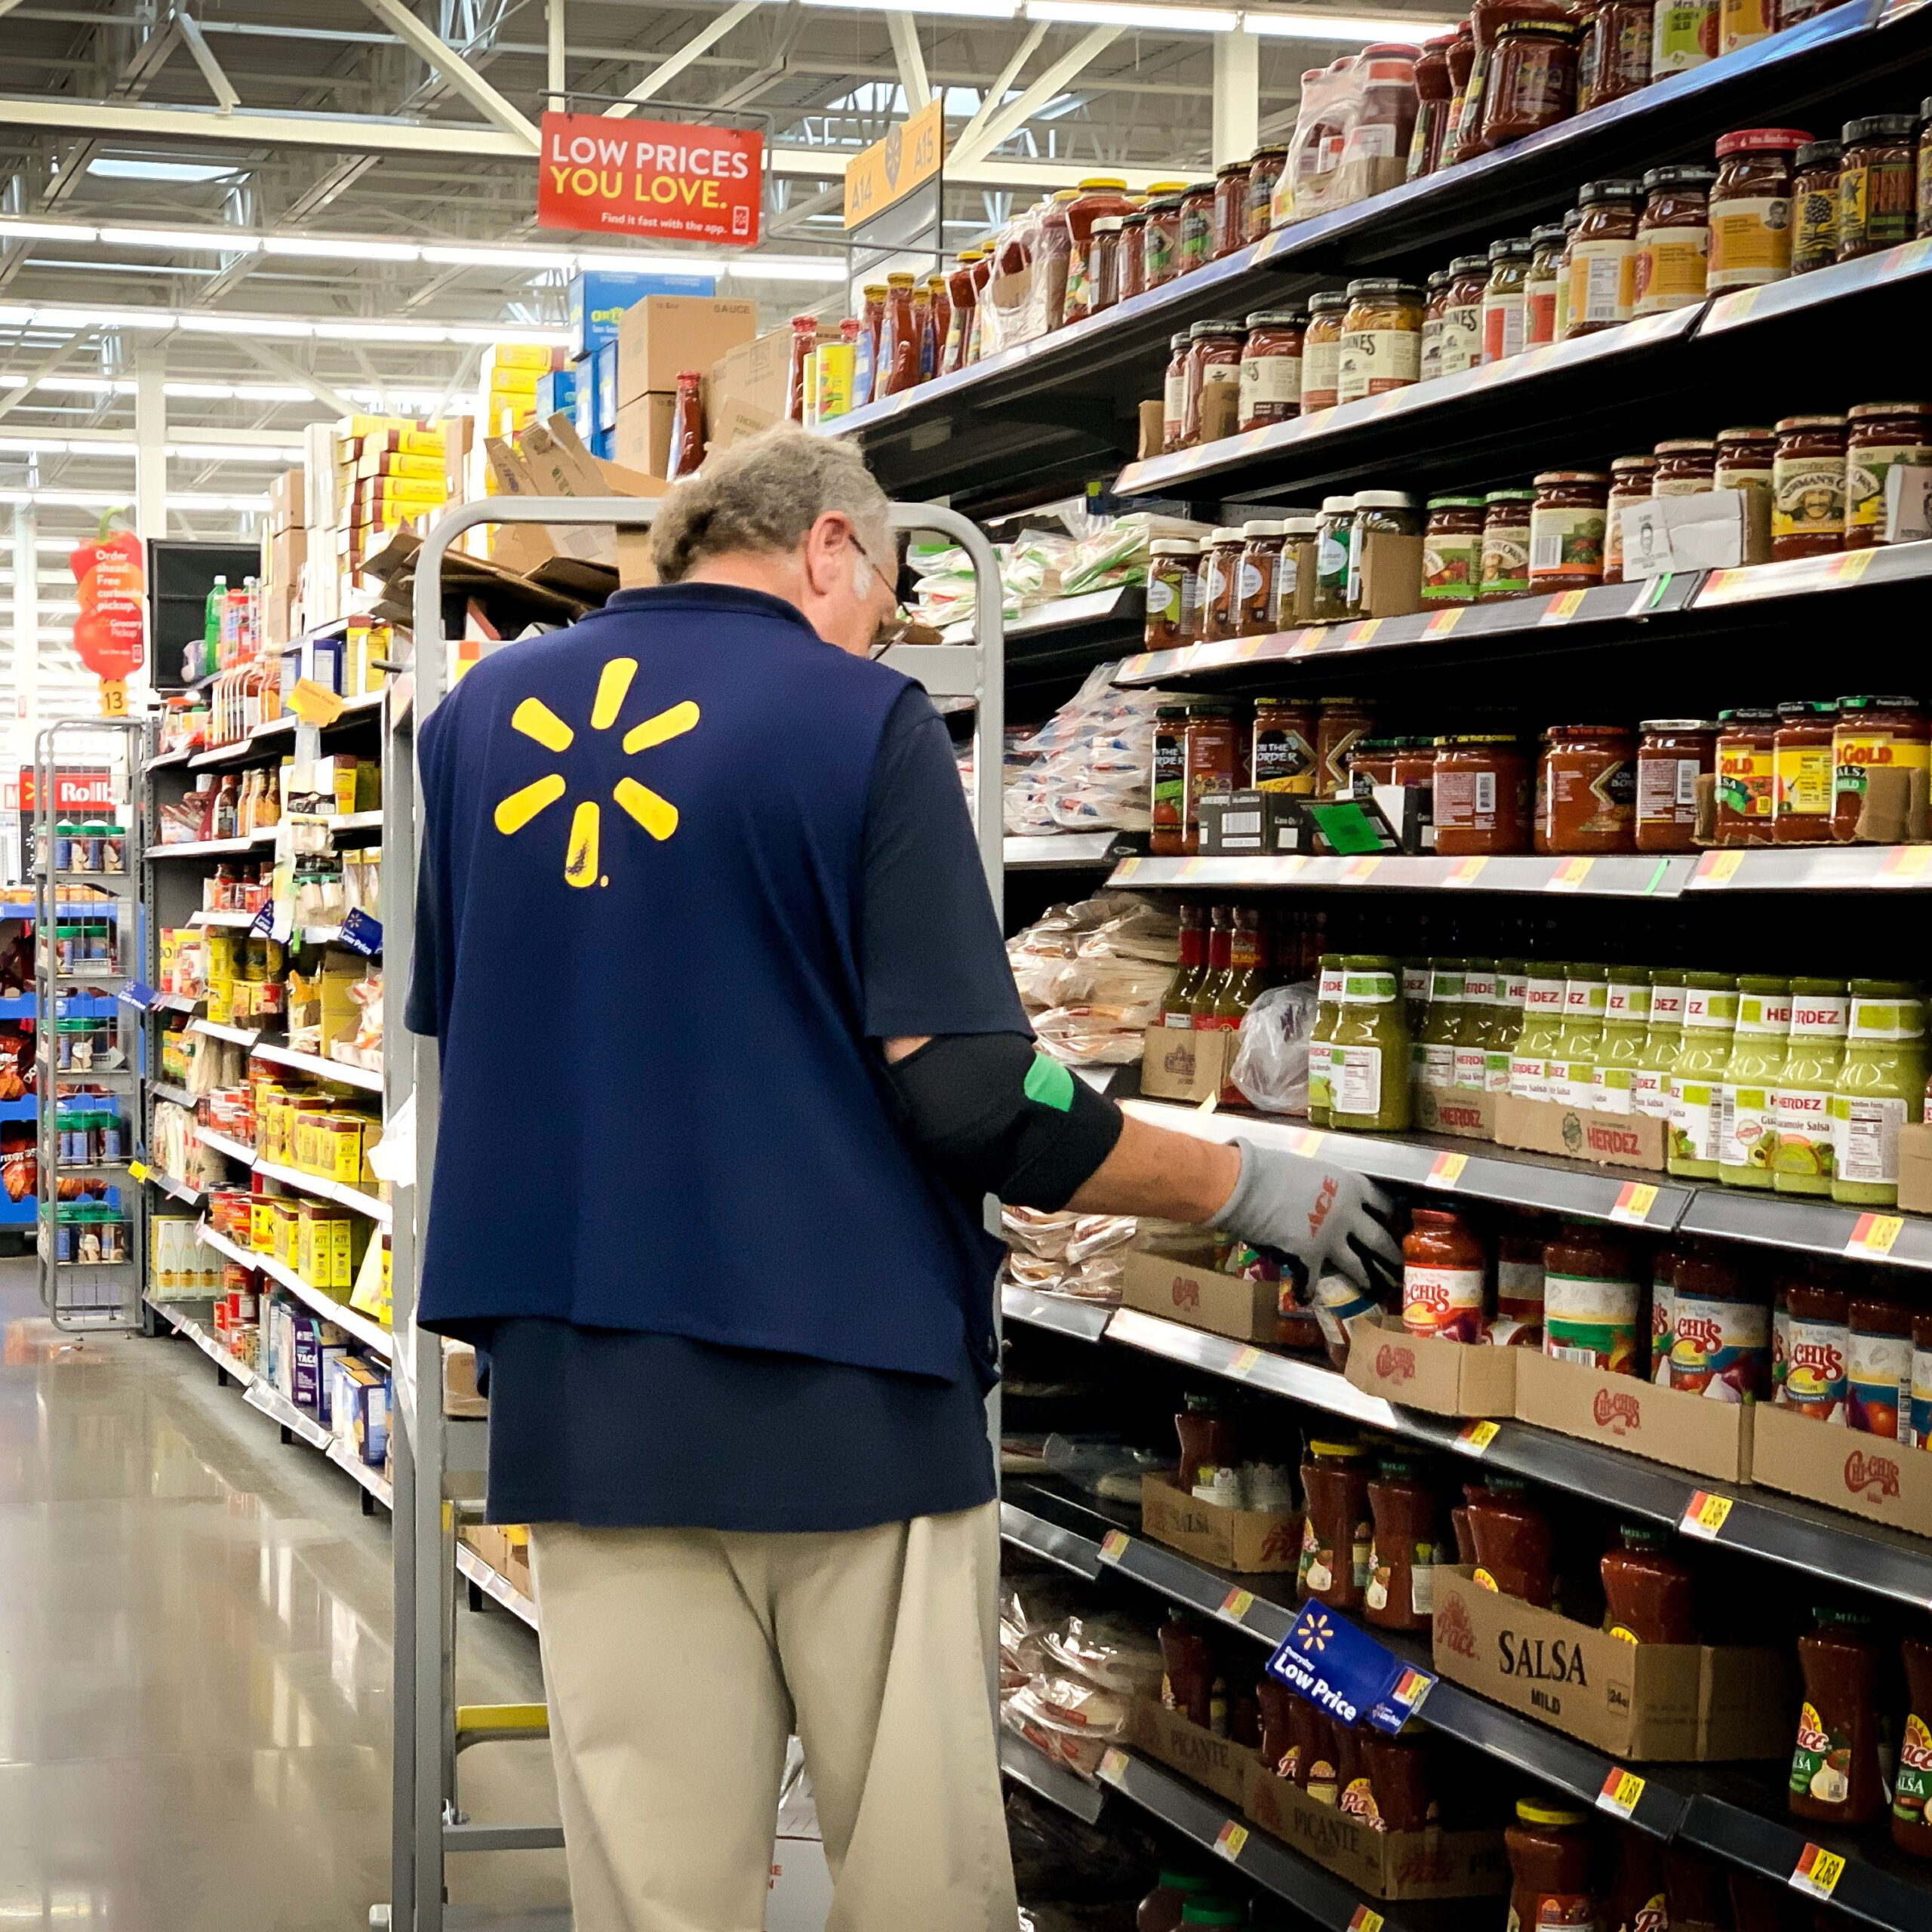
(1689, 1431)
(1677, 1702)
(1888, 1482)
(1425, 1372)
(1255, 1542)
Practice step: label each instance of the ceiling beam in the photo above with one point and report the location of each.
(1053, 81)
(667, 70)
(996, 95)
(220, 85)
(23, 386)
(911, 60)
(278, 364)
(457, 71)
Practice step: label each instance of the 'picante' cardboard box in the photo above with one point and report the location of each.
(1422, 1372)
(1677, 1702)
(1845, 1468)
(1612, 1140)
(1694, 1432)
(1219, 1763)
(1253, 1542)
(1188, 1290)
(1181, 1063)
(1431, 1864)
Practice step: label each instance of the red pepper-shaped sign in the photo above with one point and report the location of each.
(109, 631)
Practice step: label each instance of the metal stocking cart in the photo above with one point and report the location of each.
(437, 1462)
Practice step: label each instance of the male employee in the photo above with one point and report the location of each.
(730, 1056)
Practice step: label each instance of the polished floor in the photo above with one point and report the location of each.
(195, 1656)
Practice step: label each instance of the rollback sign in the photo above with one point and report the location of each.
(659, 179)
(1346, 1673)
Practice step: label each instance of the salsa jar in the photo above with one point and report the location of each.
(1461, 314)
(1322, 350)
(1375, 154)
(1341, 723)
(1912, 1802)
(1686, 35)
(1452, 549)
(1230, 208)
(1434, 91)
(1567, 527)
(1213, 752)
(1878, 184)
(1649, 1595)
(1444, 1267)
(1435, 305)
(1751, 207)
(1882, 435)
(1837, 1776)
(1818, 1345)
(1195, 247)
(1551, 1855)
(1546, 245)
(1381, 345)
(1591, 1301)
(1481, 795)
(1505, 298)
(1615, 58)
(1808, 487)
(1132, 254)
(1873, 734)
(1173, 394)
(1281, 757)
(1587, 789)
(1406, 1545)
(1294, 583)
(1337, 1528)
(1380, 513)
(1258, 566)
(1814, 196)
(1514, 1552)
(1506, 546)
(1746, 740)
(1099, 195)
(1531, 83)
(1746, 462)
(1160, 241)
(1173, 588)
(1673, 240)
(1801, 774)
(1104, 263)
(1213, 358)
(1334, 550)
(1602, 253)
(1167, 812)
(1220, 573)
(1264, 170)
(1632, 480)
(1271, 367)
(1687, 467)
(1672, 755)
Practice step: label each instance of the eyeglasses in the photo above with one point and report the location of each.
(891, 630)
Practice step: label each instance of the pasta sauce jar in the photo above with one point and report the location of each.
(1452, 550)
(1751, 207)
(1381, 347)
(1586, 789)
(1672, 755)
(1482, 790)
(1322, 350)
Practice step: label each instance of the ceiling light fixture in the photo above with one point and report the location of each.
(203, 240)
(1411, 28)
(1135, 13)
(46, 231)
(344, 248)
(463, 256)
(969, 9)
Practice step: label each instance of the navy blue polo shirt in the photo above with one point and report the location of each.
(628, 1427)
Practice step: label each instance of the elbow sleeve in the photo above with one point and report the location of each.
(993, 1115)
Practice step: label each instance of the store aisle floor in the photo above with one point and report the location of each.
(195, 1646)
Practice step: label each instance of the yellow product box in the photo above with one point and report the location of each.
(221, 1002)
(261, 1224)
(287, 1230)
(836, 361)
(171, 938)
(342, 1134)
(223, 945)
(400, 463)
(342, 1242)
(536, 357)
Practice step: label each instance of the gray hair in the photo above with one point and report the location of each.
(764, 495)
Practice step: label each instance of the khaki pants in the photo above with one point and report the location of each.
(677, 1661)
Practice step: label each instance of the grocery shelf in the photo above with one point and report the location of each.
(212, 848)
(1810, 1226)
(1634, 875)
(1796, 295)
(223, 1144)
(1066, 1549)
(177, 1002)
(494, 1585)
(1055, 851)
(367, 1079)
(180, 1189)
(266, 739)
(236, 919)
(356, 821)
(165, 1090)
(377, 1210)
(1025, 1764)
(1085, 1321)
(1123, 606)
(241, 1036)
(372, 1335)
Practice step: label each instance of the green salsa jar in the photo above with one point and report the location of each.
(1512, 982)
(1801, 1102)
(1747, 1145)
(1328, 1007)
(1573, 1060)
(1626, 1018)
(1482, 997)
(1543, 986)
(1697, 1074)
(1664, 1034)
(1369, 1050)
(1880, 1086)
(1434, 1057)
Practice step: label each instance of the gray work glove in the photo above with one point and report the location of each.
(1330, 1220)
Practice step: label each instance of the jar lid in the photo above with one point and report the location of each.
(1171, 711)
(1198, 188)
(1761, 140)
(1277, 318)
(1438, 279)
(1301, 526)
(1510, 496)
(1063, 196)
(901, 278)
(1547, 29)
(1547, 1814)
(1391, 50)
(1462, 265)
(1687, 446)
(1547, 232)
(1625, 466)
(1789, 426)
(1262, 527)
(1745, 435)
(1881, 703)
(1861, 412)
(1618, 189)
(1166, 187)
(1879, 127)
(1384, 500)
(1201, 329)
(1179, 341)
(1116, 182)
(1226, 533)
(1375, 287)
(1328, 298)
(1478, 738)
(1227, 167)
(1210, 707)
(1454, 504)
(1814, 154)
(1748, 714)
(1655, 178)
(1134, 218)
(876, 291)
(1550, 477)
(1676, 727)
(1798, 710)
(1511, 247)
(1323, 1447)
(1163, 205)
(1279, 704)
(1173, 546)
(1108, 224)
(1336, 506)
(1186, 1881)
(1571, 217)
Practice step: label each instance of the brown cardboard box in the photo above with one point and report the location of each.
(1916, 1169)
(1679, 1702)
(665, 333)
(1625, 1412)
(1179, 1063)
(278, 612)
(1460, 1111)
(746, 391)
(1431, 1864)
(1391, 575)
(1844, 1468)
(1253, 1542)
(1423, 1372)
(549, 460)
(1220, 413)
(287, 551)
(1612, 1140)
(1188, 1290)
(1218, 1763)
(1153, 428)
(287, 500)
(459, 1395)
(488, 1542)
(642, 438)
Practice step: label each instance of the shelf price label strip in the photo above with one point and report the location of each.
(1817, 1871)
(1705, 1514)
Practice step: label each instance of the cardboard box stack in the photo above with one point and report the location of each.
(506, 383)
(284, 551)
(656, 338)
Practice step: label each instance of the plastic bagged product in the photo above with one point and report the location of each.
(1111, 1651)
(1072, 1720)
(1271, 1062)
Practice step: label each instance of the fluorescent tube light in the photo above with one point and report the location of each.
(340, 248)
(637, 263)
(964, 10)
(1411, 29)
(479, 257)
(752, 269)
(1135, 13)
(196, 322)
(46, 231)
(221, 240)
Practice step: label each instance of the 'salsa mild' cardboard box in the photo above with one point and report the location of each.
(1431, 1864)
(1679, 1703)
(1425, 1372)
(1187, 1289)
(1887, 1481)
(1185, 1063)
(1689, 1431)
(1613, 1140)
(1219, 1763)
(1254, 1542)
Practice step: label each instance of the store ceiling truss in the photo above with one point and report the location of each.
(912, 60)
(457, 71)
(668, 69)
(203, 57)
(1052, 82)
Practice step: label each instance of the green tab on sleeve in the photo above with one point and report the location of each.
(1049, 1084)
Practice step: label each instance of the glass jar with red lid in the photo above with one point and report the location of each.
(1513, 1543)
(1265, 168)
(1481, 791)
(1434, 91)
(1751, 207)
(1271, 367)
(1230, 208)
(1100, 195)
(1160, 245)
(1553, 1861)
(1336, 1529)
(1673, 753)
(1196, 243)
(804, 339)
(1746, 739)
(1586, 789)
(1406, 1547)
(1650, 1596)
(1532, 80)
(1375, 157)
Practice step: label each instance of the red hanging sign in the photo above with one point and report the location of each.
(656, 178)
(109, 631)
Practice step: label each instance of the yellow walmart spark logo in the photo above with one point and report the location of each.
(658, 816)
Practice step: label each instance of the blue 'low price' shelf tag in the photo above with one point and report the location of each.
(362, 933)
(1347, 1673)
(135, 994)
